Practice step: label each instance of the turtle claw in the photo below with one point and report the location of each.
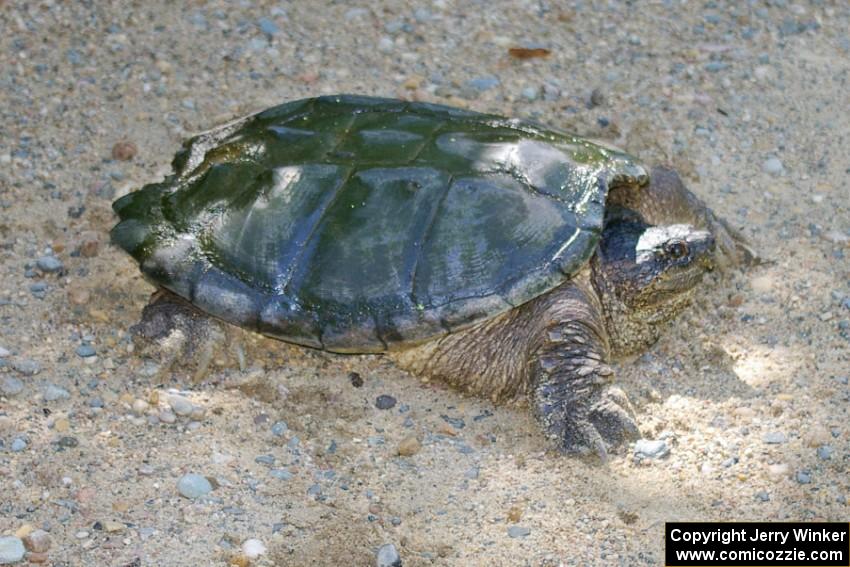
(613, 418)
(582, 438)
(608, 424)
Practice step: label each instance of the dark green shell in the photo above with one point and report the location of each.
(359, 224)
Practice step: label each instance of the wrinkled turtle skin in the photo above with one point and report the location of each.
(360, 225)
(498, 255)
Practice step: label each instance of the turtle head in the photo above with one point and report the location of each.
(646, 275)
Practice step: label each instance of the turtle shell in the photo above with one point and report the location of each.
(359, 224)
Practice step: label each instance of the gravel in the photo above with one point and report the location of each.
(10, 386)
(85, 351)
(651, 449)
(180, 406)
(388, 556)
(773, 166)
(279, 428)
(49, 264)
(804, 477)
(193, 486)
(385, 402)
(484, 83)
(26, 366)
(825, 452)
(11, 550)
(253, 548)
(774, 438)
(53, 393)
(518, 531)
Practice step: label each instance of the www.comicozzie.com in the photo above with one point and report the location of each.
(819, 544)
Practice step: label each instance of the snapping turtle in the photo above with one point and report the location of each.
(495, 254)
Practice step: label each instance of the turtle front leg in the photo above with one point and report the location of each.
(570, 380)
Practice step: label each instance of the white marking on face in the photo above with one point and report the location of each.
(654, 237)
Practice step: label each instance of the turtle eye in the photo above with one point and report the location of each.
(676, 249)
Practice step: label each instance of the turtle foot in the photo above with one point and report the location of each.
(607, 425)
(177, 336)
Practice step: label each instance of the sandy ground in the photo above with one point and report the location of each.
(749, 390)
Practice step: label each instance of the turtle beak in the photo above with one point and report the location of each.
(703, 249)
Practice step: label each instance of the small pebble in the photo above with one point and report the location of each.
(409, 446)
(774, 438)
(265, 460)
(37, 541)
(388, 556)
(26, 366)
(268, 27)
(355, 379)
(124, 151)
(89, 245)
(551, 92)
(518, 531)
(11, 550)
(385, 44)
(53, 393)
(777, 471)
(68, 442)
(804, 477)
(355, 13)
(762, 496)
(824, 452)
(193, 486)
(11, 387)
(79, 296)
(253, 548)
(281, 474)
(85, 351)
(4, 352)
(530, 93)
(279, 428)
(167, 416)
(597, 98)
(483, 83)
(49, 264)
(773, 166)
(140, 407)
(652, 449)
(385, 402)
(112, 527)
(180, 405)
(18, 445)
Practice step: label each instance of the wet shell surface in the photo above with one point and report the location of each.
(359, 224)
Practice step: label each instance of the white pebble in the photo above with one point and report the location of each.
(253, 548)
(180, 405)
(140, 407)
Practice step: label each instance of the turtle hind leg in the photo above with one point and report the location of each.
(181, 339)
